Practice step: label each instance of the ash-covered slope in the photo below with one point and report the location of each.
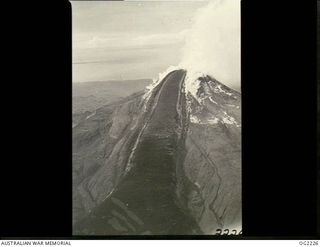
(213, 159)
(139, 161)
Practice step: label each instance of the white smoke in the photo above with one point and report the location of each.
(155, 82)
(213, 43)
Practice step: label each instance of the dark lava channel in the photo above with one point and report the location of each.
(146, 201)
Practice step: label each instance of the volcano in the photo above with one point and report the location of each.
(164, 161)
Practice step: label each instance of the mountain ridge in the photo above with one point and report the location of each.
(212, 153)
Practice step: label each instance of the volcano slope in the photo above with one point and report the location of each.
(213, 159)
(146, 198)
(164, 164)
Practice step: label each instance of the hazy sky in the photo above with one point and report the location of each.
(128, 40)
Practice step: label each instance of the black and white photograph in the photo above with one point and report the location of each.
(156, 117)
(160, 123)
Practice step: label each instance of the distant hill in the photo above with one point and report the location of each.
(88, 96)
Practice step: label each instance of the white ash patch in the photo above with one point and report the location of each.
(218, 89)
(229, 120)
(209, 121)
(223, 118)
(194, 119)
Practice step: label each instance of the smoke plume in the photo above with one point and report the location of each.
(213, 43)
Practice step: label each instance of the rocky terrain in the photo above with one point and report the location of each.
(205, 152)
(213, 160)
(88, 96)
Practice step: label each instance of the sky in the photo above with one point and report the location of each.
(128, 40)
(115, 40)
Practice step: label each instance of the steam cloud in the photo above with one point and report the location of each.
(213, 43)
